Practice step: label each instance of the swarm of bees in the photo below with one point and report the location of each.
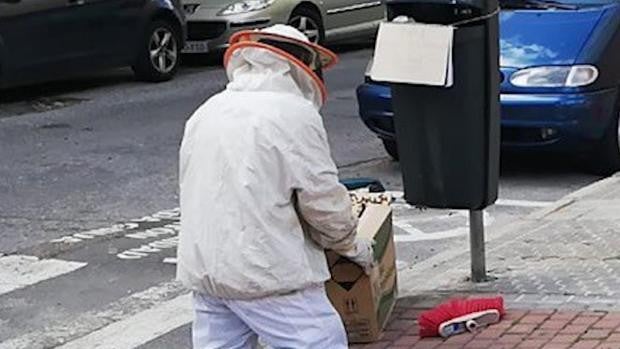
(361, 199)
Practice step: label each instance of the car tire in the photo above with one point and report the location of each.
(391, 148)
(309, 22)
(159, 56)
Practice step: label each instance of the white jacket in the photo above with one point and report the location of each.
(255, 165)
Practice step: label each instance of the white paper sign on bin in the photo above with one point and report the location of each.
(414, 53)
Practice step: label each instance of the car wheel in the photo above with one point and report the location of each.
(309, 22)
(607, 155)
(391, 148)
(159, 57)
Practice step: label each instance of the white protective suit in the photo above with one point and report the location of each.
(254, 164)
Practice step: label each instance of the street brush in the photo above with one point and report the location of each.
(460, 315)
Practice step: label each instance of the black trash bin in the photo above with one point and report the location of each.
(448, 138)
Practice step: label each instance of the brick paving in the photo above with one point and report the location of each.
(520, 329)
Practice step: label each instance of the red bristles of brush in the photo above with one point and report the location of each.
(430, 320)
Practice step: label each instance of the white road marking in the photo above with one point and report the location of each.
(170, 229)
(151, 248)
(139, 328)
(20, 271)
(406, 224)
(414, 235)
(399, 200)
(172, 214)
(523, 203)
(83, 324)
(91, 234)
(410, 233)
(170, 260)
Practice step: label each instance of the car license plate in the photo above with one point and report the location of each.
(196, 47)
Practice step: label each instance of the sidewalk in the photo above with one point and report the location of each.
(558, 269)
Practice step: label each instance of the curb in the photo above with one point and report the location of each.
(574, 196)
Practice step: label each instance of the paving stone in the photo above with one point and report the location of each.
(510, 338)
(479, 344)
(407, 340)
(377, 345)
(491, 333)
(607, 323)
(565, 338)
(563, 316)
(598, 314)
(504, 345)
(574, 329)
(460, 339)
(615, 337)
(548, 312)
(589, 344)
(428, 344)
(401, 325)
(609, 345)
(391, 335)
(533, 319)
(585, 320)
(554, 324)
(543, 334)
(410, 314)
(532, 344)
(522, 328)
(557, 346)
(596, 334)
(515, 315)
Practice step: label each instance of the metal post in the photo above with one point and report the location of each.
(476, 245)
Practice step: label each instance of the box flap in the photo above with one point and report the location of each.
(371, 221)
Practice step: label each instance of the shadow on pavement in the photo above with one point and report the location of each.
(518, 164)
(105, 78)
(72, 84)
(352, 46)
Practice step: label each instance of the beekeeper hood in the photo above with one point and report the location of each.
(278, 58)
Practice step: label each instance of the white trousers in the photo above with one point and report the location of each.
(301, 320)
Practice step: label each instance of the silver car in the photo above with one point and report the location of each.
(212, 22)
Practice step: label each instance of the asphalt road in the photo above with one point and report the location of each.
(101, 151)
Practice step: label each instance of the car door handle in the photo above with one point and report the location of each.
(76, 2)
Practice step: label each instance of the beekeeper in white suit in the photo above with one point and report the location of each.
(260, 201)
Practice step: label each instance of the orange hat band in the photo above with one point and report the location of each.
(244, 44)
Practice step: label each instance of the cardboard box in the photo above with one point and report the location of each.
(366, 302)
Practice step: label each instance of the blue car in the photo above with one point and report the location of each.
(560, 70)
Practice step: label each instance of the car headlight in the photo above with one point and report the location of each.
(245, 6)
(555, 76)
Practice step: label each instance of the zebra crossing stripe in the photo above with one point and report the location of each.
(19, 271)
(80, 326)
(139, 329)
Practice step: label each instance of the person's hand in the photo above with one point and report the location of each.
(362, 254)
